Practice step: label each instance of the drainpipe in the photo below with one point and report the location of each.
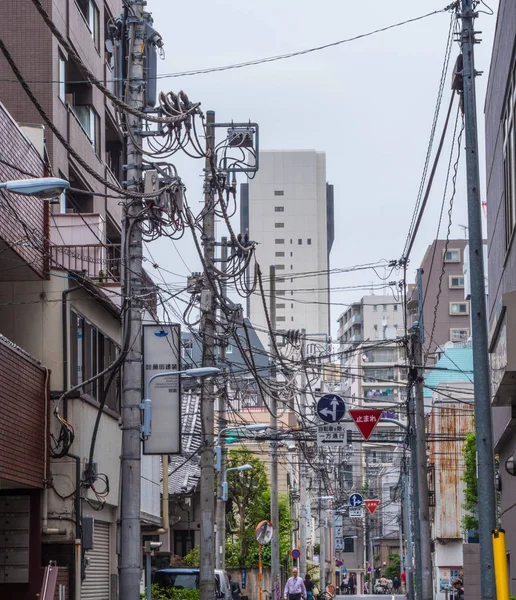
(78, 561)
(64, 311)
(164, 502)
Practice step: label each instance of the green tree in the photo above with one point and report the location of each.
(393, 569)
(245, 490)
(249, 494)
(469, 477)
(193, 558)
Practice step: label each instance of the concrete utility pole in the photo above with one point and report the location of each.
(275, 555)
(483, 417)
(414, 506)
(302, 467)
(426, 573)
(322, 541)
(409, 569)
(220, 536)
(208, 310)
(132, 246)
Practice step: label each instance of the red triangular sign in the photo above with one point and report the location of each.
(372, 505)
(366, 420)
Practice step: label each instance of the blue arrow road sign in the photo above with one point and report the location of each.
(356, 500)
(331, 408)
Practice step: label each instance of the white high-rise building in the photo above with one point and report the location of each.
(288, 210)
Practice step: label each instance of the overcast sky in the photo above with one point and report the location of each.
(367, 104)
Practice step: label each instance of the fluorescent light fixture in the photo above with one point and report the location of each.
(42, 187)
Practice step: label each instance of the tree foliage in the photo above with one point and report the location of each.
(249, 495)
(469, 477)
(393, 569)
(193, 558)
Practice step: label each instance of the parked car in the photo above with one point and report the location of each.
(185, 578)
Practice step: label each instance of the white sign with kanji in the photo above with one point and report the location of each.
(338, 532)
(356, 512)
(339, 544)
(331, 434)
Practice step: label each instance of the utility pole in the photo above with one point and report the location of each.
(275, 555)
(322, 540)
(220, 536)
(483, 417)
(208, 311)
(409, 569)
(302, 466)
(132, 248)
(426, 573)
(414, 506)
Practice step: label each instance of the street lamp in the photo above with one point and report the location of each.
(218, 447)
(146, 406)
(225, 482)
(42, 187)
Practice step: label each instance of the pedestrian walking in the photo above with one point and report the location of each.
(309, 587)
(396, 584)
(352, 582)
(344, 584)
(404, 581)
(295, 587)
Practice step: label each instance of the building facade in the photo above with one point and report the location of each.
(60, 294)
(287, 209)
(448, 318)
(500, 123)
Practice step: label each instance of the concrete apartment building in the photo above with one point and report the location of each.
(500, 123)
(60, 292)
(288, 210)
(373, 377)
(452, 320)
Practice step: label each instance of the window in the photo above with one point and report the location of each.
(309, 241)
(291, 305)
(187, 349)
(280, 267)
(90, 12)
(459, 335)
(375, 308)
(279, 209)
(291, 292)
(291, 255)
(375, 327)
(349, 436)
(349, 544)
(280, 292)
(62, 77)
(385, 308)
(290, 241)
(280, 280)
(456, 281)
(279, 193)
(291, 318)
(459, 308)
(395, 308)
(279, 225)
(279, 254)
(280, 319)
(291, 267)
(509, 159)
(279, 241)
(280, 306)
(91, 352)
(452, 256)
(299, 242)
(90, 122)
(229, 349)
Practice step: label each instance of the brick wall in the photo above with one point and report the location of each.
(22, 426)
(18, 151)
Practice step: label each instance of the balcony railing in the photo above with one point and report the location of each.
(100, 262)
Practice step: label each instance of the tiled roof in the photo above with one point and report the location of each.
(184, 469)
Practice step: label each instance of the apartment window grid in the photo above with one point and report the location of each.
(459, 335)
(279, 241)
(279, 254)
(509, 158)
(279, 193)
(452, 255)
(62, 78)
(459, 308)
(91, 352)
(456, 282)
(279, 225)
(279, 209)
(90, 12)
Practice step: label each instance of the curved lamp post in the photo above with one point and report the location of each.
(42, 187)
(225, 482)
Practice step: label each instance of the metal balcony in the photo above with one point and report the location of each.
(99, 262)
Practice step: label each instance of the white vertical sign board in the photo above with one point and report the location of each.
(162, 353)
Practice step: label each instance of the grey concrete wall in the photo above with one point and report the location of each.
(471, 553)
